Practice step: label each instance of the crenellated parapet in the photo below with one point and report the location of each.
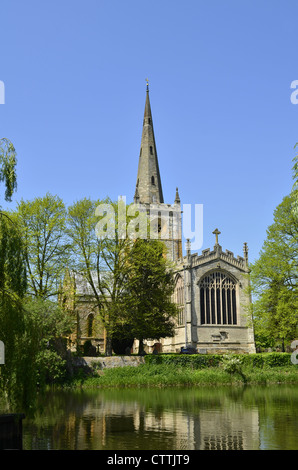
(217, 253)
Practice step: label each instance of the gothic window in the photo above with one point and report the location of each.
(218, 299)
(152, 180)
(179, 300)
(151, 150)
(90, 321)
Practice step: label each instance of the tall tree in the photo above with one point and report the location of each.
(15, 377)
(100, 260)
(147, 300)
(17, 374)
(42, 222)
(274, 276)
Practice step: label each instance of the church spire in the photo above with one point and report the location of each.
(148, 185)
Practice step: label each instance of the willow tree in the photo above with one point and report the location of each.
(18, 373)
(8, 163)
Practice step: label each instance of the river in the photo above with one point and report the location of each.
(205, 418)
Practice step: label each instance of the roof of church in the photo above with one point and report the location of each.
(82, 286)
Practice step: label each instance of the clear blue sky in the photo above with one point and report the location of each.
(220, 73)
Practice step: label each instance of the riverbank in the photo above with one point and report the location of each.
(166, 371)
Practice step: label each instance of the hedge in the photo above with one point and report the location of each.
(199, 361)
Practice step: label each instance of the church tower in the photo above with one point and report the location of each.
(149, 194)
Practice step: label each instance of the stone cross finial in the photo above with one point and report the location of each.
(216, 233)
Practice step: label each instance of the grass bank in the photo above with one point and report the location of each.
(171, 370)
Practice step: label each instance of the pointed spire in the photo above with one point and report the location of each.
(148, 179)
(177, 197)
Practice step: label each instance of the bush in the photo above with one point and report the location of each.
(199, 361)
(122, 339)
(51, 367)
(89, 349)
(195, 361)
(232, 364)
(277, 359)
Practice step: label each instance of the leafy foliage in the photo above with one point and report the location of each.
(295, 170)
(17, 375)
(46, 248)
(232, 364)
(202, 361)
(148, 307)
(122, 338)
(274, 276)
(8, 163)
(100, 261)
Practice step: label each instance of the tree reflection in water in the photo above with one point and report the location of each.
(203, 418)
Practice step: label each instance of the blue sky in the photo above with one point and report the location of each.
(220, 73)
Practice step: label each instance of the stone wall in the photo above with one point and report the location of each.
(109, 361)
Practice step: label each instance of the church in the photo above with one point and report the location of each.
(211, 288)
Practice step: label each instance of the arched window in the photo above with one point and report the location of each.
(218, 299)
(179, 300)
(151, 150)
(152, 180)
(90, 321)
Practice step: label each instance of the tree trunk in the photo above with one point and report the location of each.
(108, 351)
(141, 347)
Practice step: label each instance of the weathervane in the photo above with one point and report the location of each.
(147, 84)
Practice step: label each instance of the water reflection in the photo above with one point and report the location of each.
(173, 419)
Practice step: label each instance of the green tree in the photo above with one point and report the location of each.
(29, 328)
(147, 303)
(17, 375)
(295, 170)
(274, 277)
(100, 260)
(48, 327)
(42, 223)
(8, 167)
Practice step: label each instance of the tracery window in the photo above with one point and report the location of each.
(218, 299)
(179, 300)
